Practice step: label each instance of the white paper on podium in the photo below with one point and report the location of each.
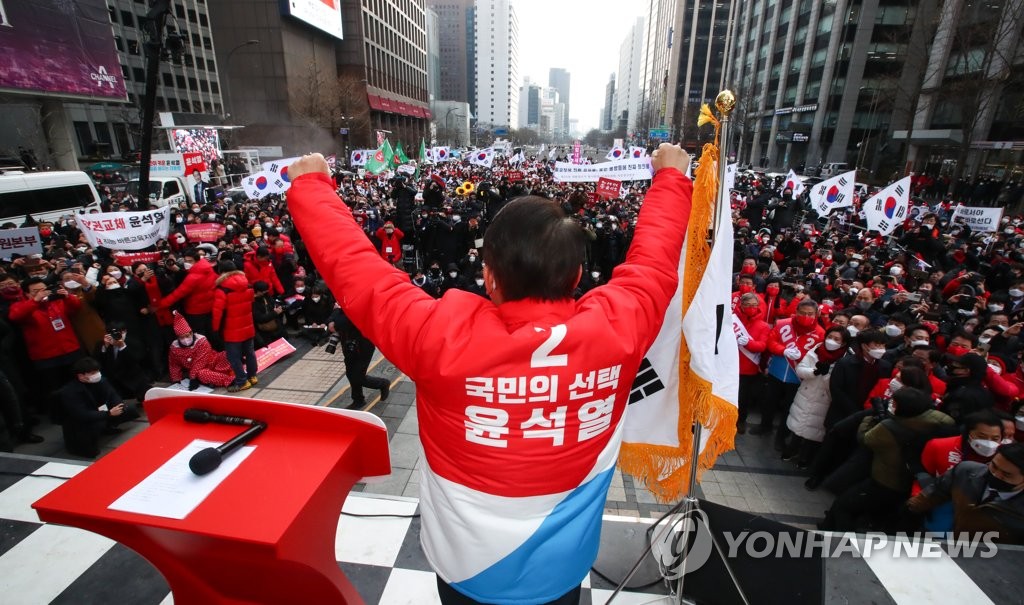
(183, 386)
(173, 490)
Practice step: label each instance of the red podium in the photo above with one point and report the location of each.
(266, 534)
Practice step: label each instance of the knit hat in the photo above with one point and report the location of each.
(181, 326)
(257, 231)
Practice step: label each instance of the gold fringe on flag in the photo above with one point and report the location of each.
(665, 470)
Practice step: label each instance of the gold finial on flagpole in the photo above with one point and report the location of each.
(725, 102)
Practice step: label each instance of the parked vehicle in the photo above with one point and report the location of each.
(46, 196)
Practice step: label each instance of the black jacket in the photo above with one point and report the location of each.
(849, 384)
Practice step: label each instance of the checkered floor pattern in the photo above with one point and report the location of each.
(43, 563)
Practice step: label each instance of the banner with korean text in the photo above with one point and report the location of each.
(125, 230)
(23, 241)
(272, 353)
(980, 220)
(204, 232)
(127, 259)
(608, 188)
(622, 170)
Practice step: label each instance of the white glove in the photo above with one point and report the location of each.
(792, 353)
(742, 340)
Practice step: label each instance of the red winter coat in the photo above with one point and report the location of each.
(163, 316)
(758, 330)
(261, 270)
(485, 374)
(282, 245)
(232, 307)
(390, 245)
(196, 291)
(37, 320)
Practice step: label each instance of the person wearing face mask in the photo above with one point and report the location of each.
(806, 418)
(471, 263)
(864, 303)
(856, 374)
(195, 292)
(233, 318)
(771, 300)
(122, 364)
(90, 407)
(966, 393)
(981, 436)
(258, 267)
(477, 286)
(752, 337)
(452, 280)
(788, 342)
(926, 240)
(986, 497)
(895, 443)
(745, 285)
(914, 335)
(316, 311)
(192, 361)
(895, 329)
(390, 239)
(421, 281)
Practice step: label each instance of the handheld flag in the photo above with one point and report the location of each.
(691, 373)
(424, 157)
(637, 152)
(887, 209)
(793, 182)
(836, 192)
(441, 154)
(400, 157)
(482, 157)
(616, 153)
(381, 159)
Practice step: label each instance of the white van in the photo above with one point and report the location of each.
(46, 196)
(833, 169)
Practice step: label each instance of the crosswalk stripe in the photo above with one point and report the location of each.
(43, 565)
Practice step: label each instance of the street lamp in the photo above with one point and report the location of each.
(227, 80)
(447, 131)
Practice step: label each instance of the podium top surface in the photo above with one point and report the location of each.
(303, 450)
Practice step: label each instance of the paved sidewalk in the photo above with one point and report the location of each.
(751, 478)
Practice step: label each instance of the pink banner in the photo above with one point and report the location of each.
(129, 259)
(576, 153)
(271, 354)
(205, 232)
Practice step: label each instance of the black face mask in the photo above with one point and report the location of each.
(999, 485)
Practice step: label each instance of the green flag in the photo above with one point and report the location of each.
(400, 157)
(381, 159)
(423, 152)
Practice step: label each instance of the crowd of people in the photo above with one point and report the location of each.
(887, 368)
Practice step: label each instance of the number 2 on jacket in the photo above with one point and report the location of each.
(542, 357)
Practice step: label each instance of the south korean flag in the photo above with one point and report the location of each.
(836, 192)
(279, 168)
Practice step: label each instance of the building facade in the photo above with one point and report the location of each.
(456, 41)
(497, 65)
(853, 81)
(561, 80)
(529, 105)
(433, 54)
(608, 121)
(630, 57)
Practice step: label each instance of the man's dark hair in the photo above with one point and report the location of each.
(534, 250)
(1014, 452)
(85, 365)
(911, 402)
(962, 333)
(190, 253)
(984, 417)
(31, 281)
(262, 252)
(872, 336)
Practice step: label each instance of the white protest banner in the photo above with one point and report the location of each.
(836, 192)
(621, 170)
(22, 241)
(887, 209)
(980, 220)
(166, 164)
(125, 230)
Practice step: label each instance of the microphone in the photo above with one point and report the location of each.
(203, 416)
(206, 460)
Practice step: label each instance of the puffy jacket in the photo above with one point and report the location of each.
(196, 291)
(758, 330)
(390, 245)
(506, 391)
(888, 466)
(281, 247)
(261, 270)
(37, 321)
(780, 338)
(232, 307)
(807, 414)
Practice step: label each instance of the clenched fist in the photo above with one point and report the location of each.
(313, 162)
(670, 156)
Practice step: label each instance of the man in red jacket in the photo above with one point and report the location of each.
(259, 268)
(44, 317)
(232, 312)
(520, 413)
(752, 337)
(390, 243)
(195, 292)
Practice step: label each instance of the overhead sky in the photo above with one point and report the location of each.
(582, 36)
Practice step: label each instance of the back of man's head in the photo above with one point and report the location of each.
(534, 250)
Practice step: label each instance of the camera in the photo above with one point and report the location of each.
(332, 344)
(880, 407)
(116, 334)
(914, 297)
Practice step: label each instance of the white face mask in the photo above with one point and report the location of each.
(71, 285)
(187, 266)
(186, 342)
(1014, 292)
(453, 274)
(113, 286)
(315, 299)
(852, 330)
(93, 378)
(854, 264)
(985, 447)
(472, 258)
(892, 330)
(116, 274)
(876, 353)
(919, 343)
(595, 274)
(896, 271)
(895, 385)
(832, 345)
(300, 289)
(984, 340)
(995, 308)
(243, 240)
(1019, 422)
(479, 282)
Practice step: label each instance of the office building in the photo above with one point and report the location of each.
(628, 95)
(560, 79)
(433, 54)
(608, 110)
(497, 65)
(456, 42)
(529, 105)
